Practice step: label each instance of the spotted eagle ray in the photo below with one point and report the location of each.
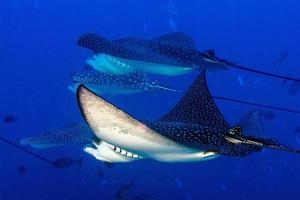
(171, 54)
(194, 130)
(80, 133)
(133, 82)
(152, 56)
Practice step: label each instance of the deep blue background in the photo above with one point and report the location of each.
(38, 51)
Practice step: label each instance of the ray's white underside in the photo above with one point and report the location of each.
(118, 66)
(125, 139)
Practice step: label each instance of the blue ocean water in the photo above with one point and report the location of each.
(38, 53)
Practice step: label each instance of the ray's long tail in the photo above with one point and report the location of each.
(255, 143)
(234, 65)
(272, 143)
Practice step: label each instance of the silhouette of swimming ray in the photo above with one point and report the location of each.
(197, 107)
(251, 123)
(25, 150)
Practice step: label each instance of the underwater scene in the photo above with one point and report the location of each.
(149, 100)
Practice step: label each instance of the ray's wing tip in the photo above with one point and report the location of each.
(81, 92)
(84, 37)
(80, 89)
(22, 141)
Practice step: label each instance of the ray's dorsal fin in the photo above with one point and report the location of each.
(178, 39)
(197, 107)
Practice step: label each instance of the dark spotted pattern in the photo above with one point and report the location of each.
(201, 137)
(178, 39)
(134, 80)
(192, 135)
(78, 133)
(196, 122)
(198, 107)
(171, 49)
(103, 79)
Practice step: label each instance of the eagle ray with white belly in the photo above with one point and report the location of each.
(174, 55)
(193, 130)
(132, 54)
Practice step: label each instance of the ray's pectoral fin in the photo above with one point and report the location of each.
(197, 107)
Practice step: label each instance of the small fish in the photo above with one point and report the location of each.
(10, 119)
(282, 58)
(65, 162)
(22, 169)
(268, 115)
(123, 190)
